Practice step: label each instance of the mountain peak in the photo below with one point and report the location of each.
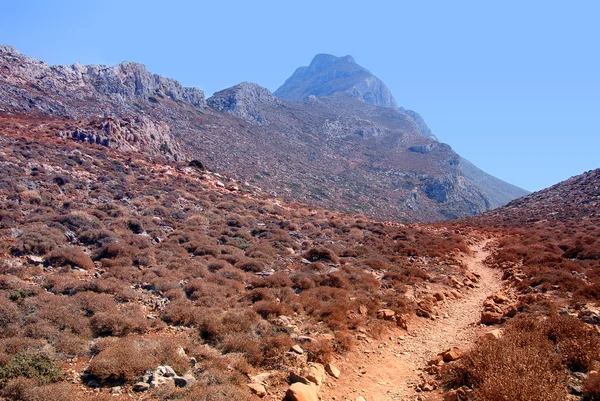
(328, 75)
(322, 61)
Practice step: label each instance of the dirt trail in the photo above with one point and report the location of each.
(389, 369)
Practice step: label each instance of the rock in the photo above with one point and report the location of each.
(257, 389)
(456, 294)
(360, 398)
(451, 395)
(297, 378)
(141, 386)
(492, 335)
(437, 360)
(455, 282)
(165, 371)
(500, 298)
(332, 370)
(260, 378)
(362, 310)
(491, 317)
(305, 339)
(35, 260)
(452, 354)
(315, 373)
(386, 314)
(402, 321)
(425, 308)
(510, 311)
(297, 349)
(185, 380)
(302, 392)
(439, 296)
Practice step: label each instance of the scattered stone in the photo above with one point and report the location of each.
(491, 317)
(305, 339)
(362, 310)
(35, 260)
(297, 378)
(141, 386)
(332, 370)
(184, 381)
(257, 389)
(297, 349)
(302, 392)
(452, 354)
(492, 335)
(386, 314)
(316, 373)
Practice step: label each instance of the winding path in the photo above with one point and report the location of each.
(390, 368)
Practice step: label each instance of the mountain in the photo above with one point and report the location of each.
(337, 152)
(327, 75)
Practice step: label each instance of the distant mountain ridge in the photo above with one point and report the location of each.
(336, 151)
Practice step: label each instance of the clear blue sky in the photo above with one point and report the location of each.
(512, 86)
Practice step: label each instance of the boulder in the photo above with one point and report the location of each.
(491, 317)
(257, 389)
(315, 373)
(302, 392)
(141, 386)
(297, 349)
(184, 381)
(492, 335)
(332, 370)
(386, 314)
(451, 354)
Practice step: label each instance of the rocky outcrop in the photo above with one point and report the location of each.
(32, 85)
(242, 101)
(327, 75)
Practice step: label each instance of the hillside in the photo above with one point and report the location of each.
(335, 152)
(114, 262)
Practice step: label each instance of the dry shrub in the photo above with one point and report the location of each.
(9, 312)
(319, 350)
(22, 389)
(70, 256)
(523, 366)
(344, 342)
(578, 344)
(591, 388)
(242, 343)
(271, 309)
(39, 241)
(126, 359)
(119, 323)
(321, 253)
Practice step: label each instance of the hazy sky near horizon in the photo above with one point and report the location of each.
(512, 86)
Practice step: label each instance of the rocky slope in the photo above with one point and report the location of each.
(574, 201)
(337, 151)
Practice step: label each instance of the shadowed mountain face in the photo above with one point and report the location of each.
(327, 75)
(336, 151)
